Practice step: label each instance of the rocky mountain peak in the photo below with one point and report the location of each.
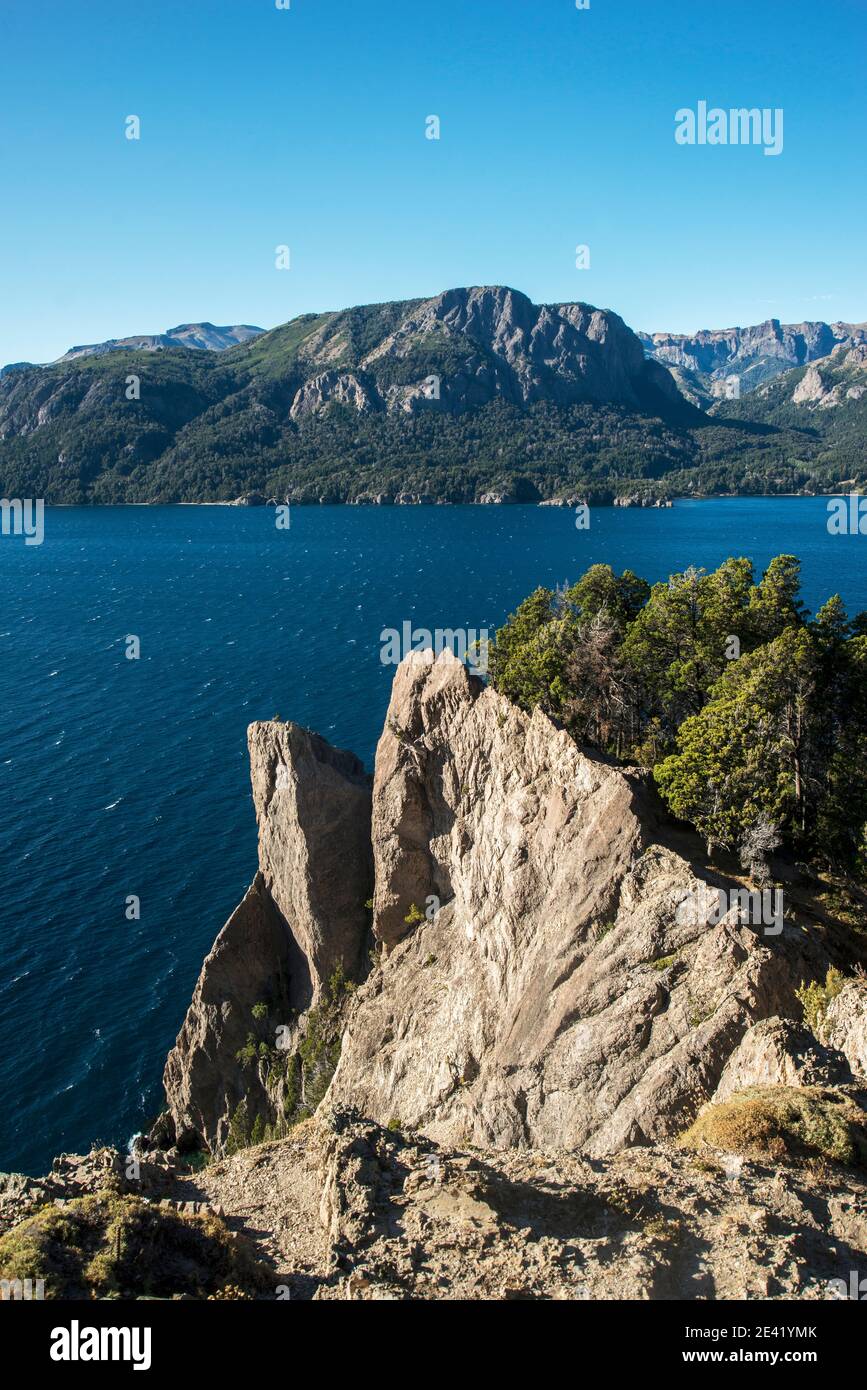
(756, 354)
(499, 343)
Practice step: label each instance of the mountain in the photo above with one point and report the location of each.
(472, 395)
(836, 382)
(206, 336)
(468, 392)
(703, 362)
(824, 405)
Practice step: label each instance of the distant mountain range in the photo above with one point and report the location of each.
(189, 335)
(473, 394)
(703, 364)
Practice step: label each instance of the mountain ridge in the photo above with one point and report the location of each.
(703, 363)
(472, 394)
(204, 336)
(200, 336)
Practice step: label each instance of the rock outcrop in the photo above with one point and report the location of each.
(781, 1052)
(551, 995)
(341, 388)
(312, 806)
(549, 970)
(844, 1025)
(79, 1175)
(254, 959)
(303, 916)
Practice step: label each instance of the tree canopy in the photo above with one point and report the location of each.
(752, 714)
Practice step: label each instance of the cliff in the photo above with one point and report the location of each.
(546, 972)
(302, 918)
(704, 360)
(558, 1077)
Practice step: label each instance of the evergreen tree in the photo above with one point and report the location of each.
(742, 758)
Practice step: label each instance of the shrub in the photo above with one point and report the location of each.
(663, 962)
(816, 997)
(249, 1052)
(239, 1129)
(320, 1049)
(784, 1124)
(305, 1074)
(108, 1245)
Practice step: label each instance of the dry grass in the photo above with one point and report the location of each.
(784, 1124)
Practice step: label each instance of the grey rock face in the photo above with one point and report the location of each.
(342, 388)
(521, 351)
(303, 916)
(845, 1025)
(554, 998)
(781, 1052)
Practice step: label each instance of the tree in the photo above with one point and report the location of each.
(239, 1129)
(528, 657)
(741, 759)
(601, 706)
(753, 741)
(757, 846)
(601, 593)
(775, 603)
(660, 650)
(842, 811)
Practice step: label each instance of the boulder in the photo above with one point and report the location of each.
(845, 1025)
(781, 1052)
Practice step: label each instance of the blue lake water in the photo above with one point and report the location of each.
(122, 777)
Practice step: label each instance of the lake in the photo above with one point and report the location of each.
(130, 777)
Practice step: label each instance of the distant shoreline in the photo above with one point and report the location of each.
(657, 506)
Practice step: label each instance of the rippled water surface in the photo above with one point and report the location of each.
(122, 777)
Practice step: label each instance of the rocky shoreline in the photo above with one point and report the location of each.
(472, 1032)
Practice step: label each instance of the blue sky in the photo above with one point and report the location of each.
(262, 127)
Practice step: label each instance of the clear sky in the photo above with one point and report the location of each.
(306, 127)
